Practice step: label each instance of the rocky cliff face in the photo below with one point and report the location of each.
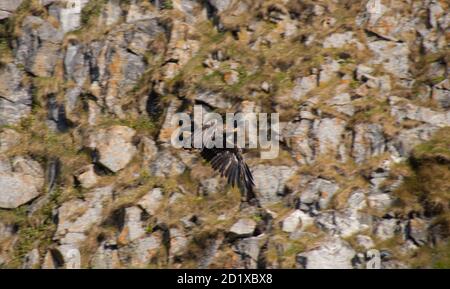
(88, 177)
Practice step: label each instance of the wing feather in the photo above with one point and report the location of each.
(231, 165)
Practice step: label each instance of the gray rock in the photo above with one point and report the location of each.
(393, 57)
(423, 114)
(75, 63)
(380, 202)
(140, 253)
(386, 228)
(342, 103)
(10, 5)
(295, 221)
(220, 5)
(329, 134)
(368, 141)
(149, 149)
(374, 10)
(435, 14)
(86, 176)
(133, 228)
(114, 146)
(270, 182)
(328, 70)
(214, 99)
(151, 201)
(178, 242)
(71, 255)
(319, 192)
(365, 241)
(38, 46)
(7, 7)
(15, 98)
(407, 139)
(21, 182)
(68, 13)
(111, 13)
(296, 134)
(249, 249)
(341, 223)
(357, 201)
(339, 40)
(303, 86)
(333, 253)
(243, 228)
(166, 164)
(76, 217)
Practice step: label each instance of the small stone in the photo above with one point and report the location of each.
(151, 201)
(265, 86)
(86, 176)
(114, 146)
(133, 227)
(295, 221)
(22, 183)
(243, 228)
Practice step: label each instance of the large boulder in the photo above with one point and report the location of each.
(392, 56)
(333, 253)
(270, 182)
(20, 182)
(76, 217)
(114, 146)
(68, 13)
(329, 134)
(166, 165)
(38, 48)
(15, 98)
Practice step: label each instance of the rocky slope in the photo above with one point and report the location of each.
(88, 177)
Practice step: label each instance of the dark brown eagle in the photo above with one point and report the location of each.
(229, 162)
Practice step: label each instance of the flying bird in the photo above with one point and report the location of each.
(227, 160)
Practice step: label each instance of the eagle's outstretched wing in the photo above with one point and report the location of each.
(227, 160)
(230, 163)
